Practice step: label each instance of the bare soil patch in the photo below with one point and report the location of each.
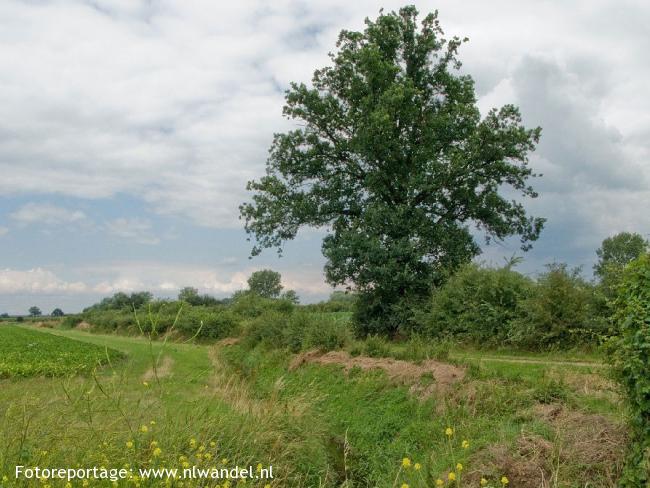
(83, 325)
(163, 369)
(443, 374)
(228, 341)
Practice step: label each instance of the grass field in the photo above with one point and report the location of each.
(333, 419)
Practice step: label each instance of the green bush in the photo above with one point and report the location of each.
(297, 331)
(631, 359)
(557, 314)
(376, 346)
(70, 321)
(476, 304)
(250, 305)
(205, 322)
(419, 348)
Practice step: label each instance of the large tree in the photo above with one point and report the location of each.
(35, 311)
(619, 250)
(614, 254)
(265, 283)
(392, 159)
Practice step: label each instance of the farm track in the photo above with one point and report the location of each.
(524, 360)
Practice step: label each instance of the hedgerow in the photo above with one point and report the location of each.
(631, 359)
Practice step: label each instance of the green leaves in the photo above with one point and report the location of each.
(631, 358)
(392, 159)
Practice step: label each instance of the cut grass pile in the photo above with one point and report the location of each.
(25, 352)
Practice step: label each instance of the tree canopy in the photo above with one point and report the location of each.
(619, 250)
(392, 159)
(265, 283)
(34, 311)
(57, 312)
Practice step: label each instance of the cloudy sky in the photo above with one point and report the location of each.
(128, 129)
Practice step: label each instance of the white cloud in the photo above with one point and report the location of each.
(136, 230)
(37, 281)
(175, 103)
(36, 213)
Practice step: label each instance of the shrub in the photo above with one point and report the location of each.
(631, 359)
(419, 348)
(204, 322)
(297, 331)
(250, 305)
(376, 346)
(476, 304)
(70, 321)
(558, 313)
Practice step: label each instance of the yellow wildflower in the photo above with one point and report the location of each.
(213, 444)
(207, 456)
(484, 482)
(259, 467)
(451, 476)
(192, 443)
(404, 485)
(504, 480)
(268, 485)
(417, 466)
(144, 429)
(224, 461)
(68, 485)
(439, 482)
(406, 463)
(465, 445)
(185, 464)
(459, 467)
(449, 431)
(145, 384)
(153, 422)
(85, 483)
(154, 444)
(157, 452)
(129, 444)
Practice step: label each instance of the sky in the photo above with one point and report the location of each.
(129, 128)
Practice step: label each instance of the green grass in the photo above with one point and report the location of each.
(26, 352)
(316, 425)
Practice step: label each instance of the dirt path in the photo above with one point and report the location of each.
(548, 362)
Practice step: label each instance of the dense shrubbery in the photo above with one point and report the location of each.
(158, 317)
(297, 331)
(121, 301)
(477, 304)
(631, 357)
(339, 301)
(558, 313)
(498, 306)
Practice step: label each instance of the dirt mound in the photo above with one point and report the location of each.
(163, 369)
(591, 443)
(83, 325)
(44, 325)
(444, 374)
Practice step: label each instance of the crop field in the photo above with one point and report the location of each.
(26, 352)
(370, 413)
